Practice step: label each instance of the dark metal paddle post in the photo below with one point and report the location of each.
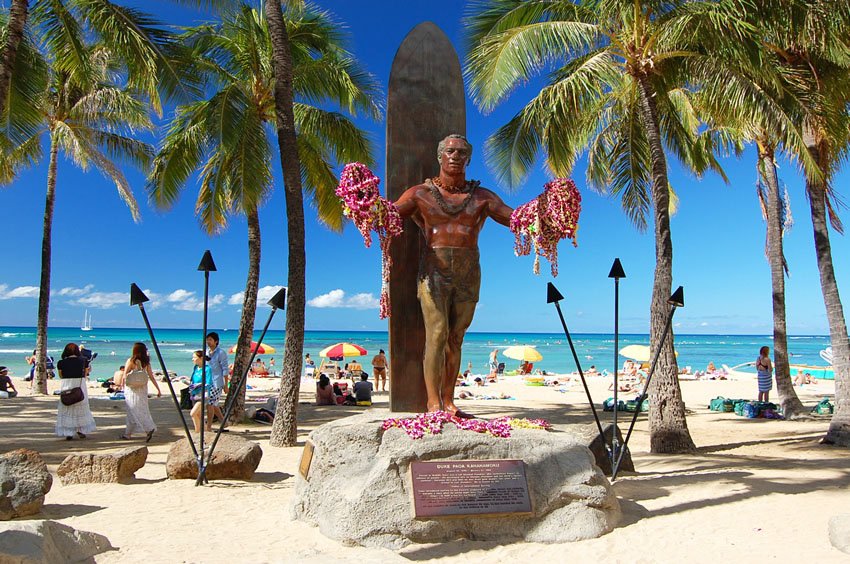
(137, 297)
(675, 301)
(278, 301)
(553, 296)
(616, 273)
(207, 265)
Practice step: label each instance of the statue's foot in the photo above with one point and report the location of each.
(454, 410)
(432, 408)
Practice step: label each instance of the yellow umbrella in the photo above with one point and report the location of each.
(523, 352)
(636, 352)
(639, 353)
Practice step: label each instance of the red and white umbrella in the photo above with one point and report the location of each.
(262, 349)
(342, 349)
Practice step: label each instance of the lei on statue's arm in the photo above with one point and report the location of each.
(364, 205)
(545, 220)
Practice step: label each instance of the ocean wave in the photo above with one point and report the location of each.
(15, 351)
(7, 335)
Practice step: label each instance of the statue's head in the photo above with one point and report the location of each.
(441, 146)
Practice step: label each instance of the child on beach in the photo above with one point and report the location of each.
(765, 373)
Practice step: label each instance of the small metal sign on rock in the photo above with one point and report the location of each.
(306, 459)
(458, 488)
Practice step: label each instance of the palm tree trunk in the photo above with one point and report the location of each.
(249, 312)
(14, 34)
(44, 287)
(839, 427)
(791, 404)
(285, 428)
(668, 428)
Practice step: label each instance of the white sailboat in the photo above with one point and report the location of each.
(86, 322)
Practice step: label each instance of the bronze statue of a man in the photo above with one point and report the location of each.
(450, 211)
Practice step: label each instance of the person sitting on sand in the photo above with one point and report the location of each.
(7, 388)
(325, 392)
(363, 390)
(592, 371)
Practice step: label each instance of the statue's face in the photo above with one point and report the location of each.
(455, 156)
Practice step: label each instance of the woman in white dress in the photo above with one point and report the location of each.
(137, 373)
(74, 419)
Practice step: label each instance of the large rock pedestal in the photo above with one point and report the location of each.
(358, 489)
(24, 481)
(116, 467)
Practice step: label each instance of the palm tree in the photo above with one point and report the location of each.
(227, 138)
(91, 120)
(14, 33)
(621, 93)
(759, 105)
(152, 65)
(808, 39)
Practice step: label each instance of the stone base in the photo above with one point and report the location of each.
(44, 542)
(358, 488)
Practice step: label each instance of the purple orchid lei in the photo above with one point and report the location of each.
(432, 423)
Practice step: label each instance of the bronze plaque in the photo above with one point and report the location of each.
(457, 488)
(306, 459)
(425, 102)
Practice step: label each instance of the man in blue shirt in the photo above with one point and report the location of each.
(219, 370)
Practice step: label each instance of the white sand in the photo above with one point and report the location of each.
(756, 490)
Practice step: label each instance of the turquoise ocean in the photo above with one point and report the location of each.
(113, 346)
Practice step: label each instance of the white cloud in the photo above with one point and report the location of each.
(337, 299)
(104, 300)
(73, 292)
(19, 292)
(180, 295)
(264, 294)
(191, 303)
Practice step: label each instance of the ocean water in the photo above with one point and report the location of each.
(176, 345)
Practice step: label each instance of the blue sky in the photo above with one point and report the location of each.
(718, 238)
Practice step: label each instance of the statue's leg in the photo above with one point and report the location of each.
(460, 317)
(436, 334)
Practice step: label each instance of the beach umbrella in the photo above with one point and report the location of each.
(523, 352)
(343, 349)
(263, 349)
(636, 352)
(639, 353)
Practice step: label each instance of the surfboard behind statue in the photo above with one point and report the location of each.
(425, 102)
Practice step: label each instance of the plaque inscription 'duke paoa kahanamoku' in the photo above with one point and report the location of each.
(458, 488)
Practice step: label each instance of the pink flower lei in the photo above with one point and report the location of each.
(547, 219)
(364, 205)
(432, 423)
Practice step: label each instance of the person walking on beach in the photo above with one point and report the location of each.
(137, 374)
(219, 370)
(493, 364)
(765, 373)
(379, 369)
(195, 387)
(73, 373)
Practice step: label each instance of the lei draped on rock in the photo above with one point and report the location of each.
(364, 205)
(432, 423)
(545, 220)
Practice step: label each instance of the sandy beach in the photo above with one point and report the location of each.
(756, 489)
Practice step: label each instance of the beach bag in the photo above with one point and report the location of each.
(185, 399)
(751, 410)
(71, 396)
(739, 407)
(137, 379)
(717, 403)
(824, 407)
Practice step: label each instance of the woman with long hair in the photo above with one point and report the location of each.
(325, 392)
(75, 419)
(137, 374)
